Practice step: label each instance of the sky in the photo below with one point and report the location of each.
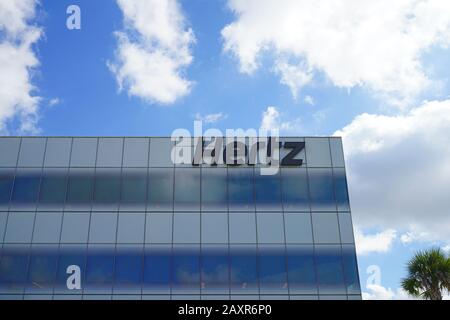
(374, 72)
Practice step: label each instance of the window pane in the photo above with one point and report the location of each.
(186, 228)
(329, 269)
(215, 269)
(272, 266)
(160, 190)
(47, 227)
(70, 256)
(84, 152)
(53, 188)
(350, 269)
(295, 189)
(214, 189)
(159, 228)
(301, 272)
(136, 152)
(75, 227)
(321, 190)
(268, 192)
(134, 190)
(103, 227)
(128, 272)
(131, 228)
(214, 227)
(20, 227)
(157, 263)
(346, 228)
(160, 152)
(337, 155)
(32, 152)
(6, 184)
(318, 152)
(80, 189)
(109, 152)
(42, 271)
(186, 270)
(13, 268)
(298, 227)
(3, 218)
(99, 269)
(9, 149)
(240, 189)
(187, 189)
(107, 189)
(340, 189)
(326, 229)
(270, 227)
(26, 189)
(244, 279)
(57, 153)
(242, 227)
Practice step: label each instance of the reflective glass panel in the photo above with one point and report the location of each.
(157, 269)
(186, 269)
(42, 270)
(244, 271)
(107, 189)
(215, 269)
(47, 227)
(330, 275)
(26, 189)
(295, 189)
(187, 189)
(71, 257)
(214, 189)
(134, 190)
(99, 269)
(53, 189)
(321, 190)
(128, 269)
(6, 185)
(13, 268)
(80, 189)
(268, 192)
(350, 269)
(160, 189)
(340, 190)
(301, 271)
(240, 189)
(272, 268)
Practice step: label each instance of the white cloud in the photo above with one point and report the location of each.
(271, 120)
(18, 61)
(153, 51)
(309, 100)
(398, 170)
(378, 292)
(380, 242)
(211, 118)
(446, 249)
(353, 43)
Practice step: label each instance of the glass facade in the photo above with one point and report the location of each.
(110, 218)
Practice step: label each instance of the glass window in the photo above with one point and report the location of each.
(160, 189)
(270, 227)
(136, 152)
(321, 190)
(26, 189)
(214, 189)
(3, 218)
(161, 152)
(13, 268)
(6, 185)
(268, 192)
(159, 228)
(272, 268)
(215, 269)
(131, 228)
(295, 189)
(350, 269)
(84, 152)
(187, 189)
(346, 228)
(330, 276)
(326, 229)
(301, 271)
(42, 270)
(128, 269)
(240, 189)
(53, 190)
(318, 152)
(186, 228)
(80, 189)
(70, 256)
(107, 189)
(214, 227)
(337, 155)
(47, 227)
(9, 149)
(242, 227)
(186, 269)
(298, 227)
(109, 152)
(103, 227)
(20, 227)
(99, 269)
(134, 190)
(57, 153)
(340, 190)
(75, 227)
(157, 269)
(244, 270)
(32, 152)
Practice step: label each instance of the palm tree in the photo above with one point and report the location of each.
(428, 275)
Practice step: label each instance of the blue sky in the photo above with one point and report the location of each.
(320, 69)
